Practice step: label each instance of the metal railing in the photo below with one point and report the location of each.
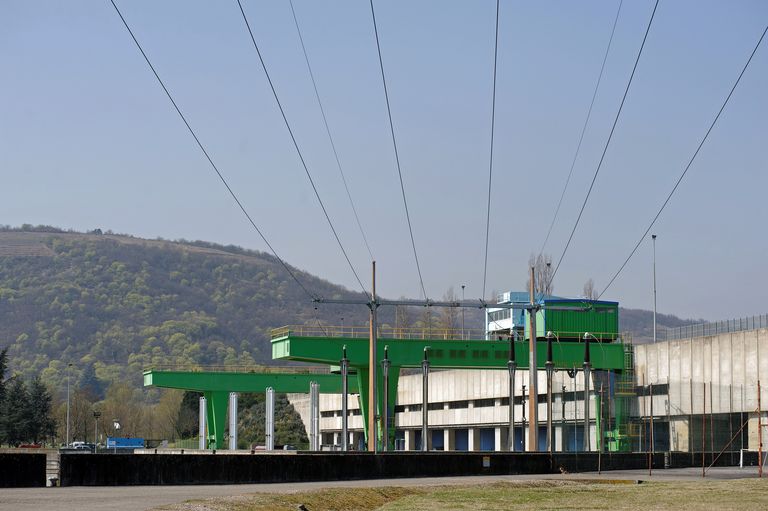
(422, 333)
(384, 332)
(719, 327)
(260, 369)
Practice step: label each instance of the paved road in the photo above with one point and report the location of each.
(130, 498)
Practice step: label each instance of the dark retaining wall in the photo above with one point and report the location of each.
(728, 459)
(149, 469)
(22, 470)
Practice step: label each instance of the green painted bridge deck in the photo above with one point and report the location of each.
(216, 384)
(445, 349)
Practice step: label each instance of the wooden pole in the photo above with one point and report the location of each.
(533, 404)
(690, 422)
(652, 450)
(703, 428)
(759, 433)
(372, 366)
(711, 423)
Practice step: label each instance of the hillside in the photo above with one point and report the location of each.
(120, 304)
(113, 305)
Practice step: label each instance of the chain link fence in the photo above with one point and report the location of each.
(719, 327)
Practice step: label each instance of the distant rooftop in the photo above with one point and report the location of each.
(523, 297)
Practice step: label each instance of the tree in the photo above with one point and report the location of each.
(403, 320)
(186, 422)
(590, 293)
(14, 416)
(543, 273)
(41, 424)
(3, 368)
(90, 384)
(448, 320)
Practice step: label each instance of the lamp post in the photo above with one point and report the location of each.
(550, 369)
(69, 377)
(96, 415)
(462, 313)
(116, 427)
(653, 237)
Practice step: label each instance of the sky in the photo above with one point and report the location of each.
(89, 140)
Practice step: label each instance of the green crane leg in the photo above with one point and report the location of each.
(216, 411)
(394, 377)
(362, 381)
(362, 384)
(598, 420)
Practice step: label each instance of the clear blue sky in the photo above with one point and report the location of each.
(88, 139)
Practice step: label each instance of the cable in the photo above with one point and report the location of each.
(207, 156)
(688, 166)
(328, 131)
(583, 129)
(394, 144)
(607, 143)
(490, 159)
(298, 151)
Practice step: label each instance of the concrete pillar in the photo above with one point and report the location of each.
(269, 435)
(410, 439)
(449, 439)
(473, 437)
(203, 414)
(233, 421)
(314, 406)
(500, 438)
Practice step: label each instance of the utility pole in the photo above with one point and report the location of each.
(372, 365)
(533, 404)
(69, 377)
(653, 237)
(462, 313)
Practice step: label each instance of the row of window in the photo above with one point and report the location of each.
(504, 401)
(499, 315)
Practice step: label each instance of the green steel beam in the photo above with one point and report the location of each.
(217, 385)
(445, 354)
(223, 381)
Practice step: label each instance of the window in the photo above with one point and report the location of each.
(399, 408)
(435, 406)
(414, 408)
(499, 315)
(329, 413)
(482, 403)
(457, 405)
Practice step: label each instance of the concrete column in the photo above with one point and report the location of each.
(269, 430)
(499, 439)
(202, 444)
(314, 406)
(449, 439)
(473, 439)
(410, 439)
(233, 421)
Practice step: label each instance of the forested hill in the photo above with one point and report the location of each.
(113, 305)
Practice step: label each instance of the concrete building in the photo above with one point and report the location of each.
(698, 390)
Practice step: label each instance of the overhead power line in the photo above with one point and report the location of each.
(607, 143)
(583, 129)
(490, 158)
(688, 166)
(394, 144)
(298, 150)
(328, 131)
(208, 157)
